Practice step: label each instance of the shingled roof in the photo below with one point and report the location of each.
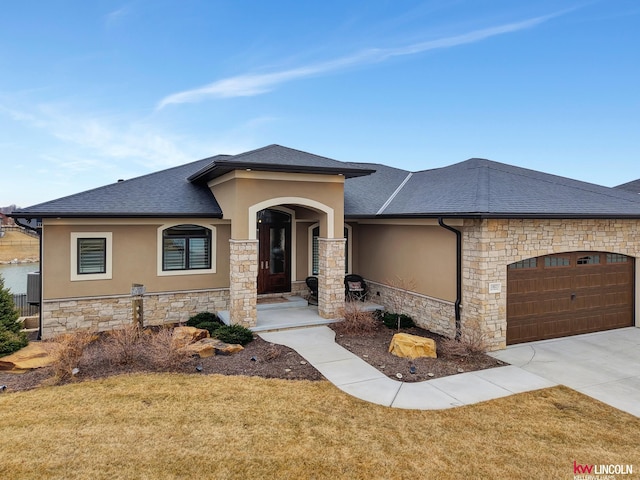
(633, 187)
(483, 188)
(474, 188)
(167, 193)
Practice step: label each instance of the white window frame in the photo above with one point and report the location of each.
(80, 277)
(173, 273)
(349, 248)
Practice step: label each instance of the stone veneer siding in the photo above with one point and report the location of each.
(331, 276)
(490, 245)
(106, 313)
(243, 276)
(433, 314)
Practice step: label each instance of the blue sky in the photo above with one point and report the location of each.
(95, 91)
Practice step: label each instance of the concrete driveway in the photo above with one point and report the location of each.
(603, 365)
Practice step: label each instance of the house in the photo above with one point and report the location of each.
(522, 254)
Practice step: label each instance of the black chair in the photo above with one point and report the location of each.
(355, 288)
(312, 284)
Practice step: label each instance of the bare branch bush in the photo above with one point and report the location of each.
(163, 353)
(124, 345)
(356, 320)
(472, 341)
(67, 350)
(398, 295)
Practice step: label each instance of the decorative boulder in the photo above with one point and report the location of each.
(207, 347)
(31, 356)
(183, 336)
(412, 346)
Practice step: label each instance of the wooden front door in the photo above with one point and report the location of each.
(569, 294)
(274, 252)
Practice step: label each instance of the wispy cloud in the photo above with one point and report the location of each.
(112, 18)
(255, 84)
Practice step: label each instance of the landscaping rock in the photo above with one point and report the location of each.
(207, 347)
(412, 346)
(31, 356)
(183, 336)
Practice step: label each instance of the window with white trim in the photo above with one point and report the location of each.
(91, 255)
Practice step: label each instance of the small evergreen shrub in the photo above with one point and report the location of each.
(202, 317)
(211, 327)
(391, 320)
(11, 341)
(11, 338)
(233, 334)
(206, 321)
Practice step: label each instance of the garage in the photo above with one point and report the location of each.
(569, 294)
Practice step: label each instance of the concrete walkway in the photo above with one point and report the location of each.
(354, 376)
(603, 365)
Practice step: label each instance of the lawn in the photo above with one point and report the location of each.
(160, 426)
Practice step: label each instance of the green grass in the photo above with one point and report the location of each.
(188, 426)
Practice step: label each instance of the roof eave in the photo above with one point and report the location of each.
(486, 215)
(32, 215)
(221, 168)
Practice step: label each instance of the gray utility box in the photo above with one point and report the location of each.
(33, 288)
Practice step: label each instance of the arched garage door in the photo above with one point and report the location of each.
(568, 294)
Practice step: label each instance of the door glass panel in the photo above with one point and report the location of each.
(277, 242)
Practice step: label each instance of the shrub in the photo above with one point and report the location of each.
(11, 341)
(67, 350)
(202, 317)
(233, 334)
(211, 327)
(163, 353)
(123, 345)
(396, 320)
(472, 342)
(11, 338)
(356, 321)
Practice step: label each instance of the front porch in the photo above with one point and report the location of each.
(290, 312)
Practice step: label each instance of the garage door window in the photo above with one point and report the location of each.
(589, 260)
(556, 261)
(616, 258)
(528, 263)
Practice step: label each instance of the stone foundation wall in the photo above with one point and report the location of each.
(433, 314)
(492, 244)
(106, 313)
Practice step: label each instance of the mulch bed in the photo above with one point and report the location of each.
(260, 358)
(374, 349)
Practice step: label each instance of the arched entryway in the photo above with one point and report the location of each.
(568, 294)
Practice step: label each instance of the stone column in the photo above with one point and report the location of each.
(331, 276)
(243, 277)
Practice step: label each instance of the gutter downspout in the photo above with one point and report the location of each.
(38, 230)
(458, 275)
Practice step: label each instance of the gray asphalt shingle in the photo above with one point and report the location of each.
(166, 193)
(475, 187)
(483, 187)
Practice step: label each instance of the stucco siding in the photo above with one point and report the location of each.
(134, 260)
(422, 255)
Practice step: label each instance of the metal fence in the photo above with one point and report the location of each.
(26, 310)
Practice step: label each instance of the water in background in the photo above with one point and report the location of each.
(15, 275)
